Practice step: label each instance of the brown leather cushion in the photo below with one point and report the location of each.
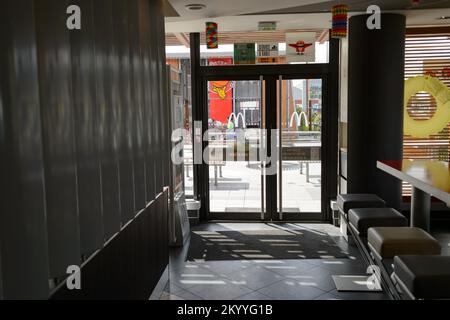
(359, 200)
(364, 218)
(425, 277)
(392, 241)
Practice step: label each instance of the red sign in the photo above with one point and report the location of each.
(220, 61)
(300, 46)
(220, 94)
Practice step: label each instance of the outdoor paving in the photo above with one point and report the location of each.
(239, 188)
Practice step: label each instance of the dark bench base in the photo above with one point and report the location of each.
(385, 266)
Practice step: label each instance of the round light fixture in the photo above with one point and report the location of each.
(195, 6)
(444, 18)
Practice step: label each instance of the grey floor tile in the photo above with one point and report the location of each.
(327, 296)
(165, 296)
(289, 267)
(226, 290)
(291, 289)
(192, 275)
(254, 277)
(173, 288)
(224, 268)
(176, 265)
(341, 266)
(316, 277)
(179, 265)
(184, 295)
(254, 296)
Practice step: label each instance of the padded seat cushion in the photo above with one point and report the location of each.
(359, 200)
(392, 241)
(426, 277)
(364, 218)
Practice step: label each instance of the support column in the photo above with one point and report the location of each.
(375, 104)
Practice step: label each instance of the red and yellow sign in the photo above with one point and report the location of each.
(220, 100)
(220, 93)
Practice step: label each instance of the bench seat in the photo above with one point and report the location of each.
(361, 219)
(349, 201)
(388, 242)
(423, 277)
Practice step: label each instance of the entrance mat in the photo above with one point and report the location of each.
(263, 244)
(357, 283)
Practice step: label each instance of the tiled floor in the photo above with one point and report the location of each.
(264, 279)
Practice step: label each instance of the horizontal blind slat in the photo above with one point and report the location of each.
(426, 54)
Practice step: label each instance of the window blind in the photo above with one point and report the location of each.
(427, 52)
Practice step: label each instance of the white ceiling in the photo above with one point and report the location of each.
(290, 21)
(250, 23)
(220, 8)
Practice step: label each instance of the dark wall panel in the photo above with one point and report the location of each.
(23, 231)
(157, 17)
(54, 63)
(86, 130)
(149, 109)
(107, 96)
(137, 106)
(125, 113)
(1, 274)
(84, 146)
(156, 84)
(164, 107)
(125, 268)
(375, 105)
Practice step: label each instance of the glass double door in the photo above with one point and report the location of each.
(264, 149)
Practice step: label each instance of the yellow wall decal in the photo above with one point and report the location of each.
(440, 119)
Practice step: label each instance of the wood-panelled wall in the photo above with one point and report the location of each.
(82, 136)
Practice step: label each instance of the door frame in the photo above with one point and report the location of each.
(327, 72)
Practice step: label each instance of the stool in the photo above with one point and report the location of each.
(362, 219)
(423, 277)
(387, 242)
(349, 201)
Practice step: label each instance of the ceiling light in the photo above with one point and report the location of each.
(444, 18)
(195, 6)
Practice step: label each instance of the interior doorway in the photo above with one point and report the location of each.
(299, 125)
(269, 141)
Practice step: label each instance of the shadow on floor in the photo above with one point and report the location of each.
(266, 279)
(276, 242)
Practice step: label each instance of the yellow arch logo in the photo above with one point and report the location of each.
(440, 119)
